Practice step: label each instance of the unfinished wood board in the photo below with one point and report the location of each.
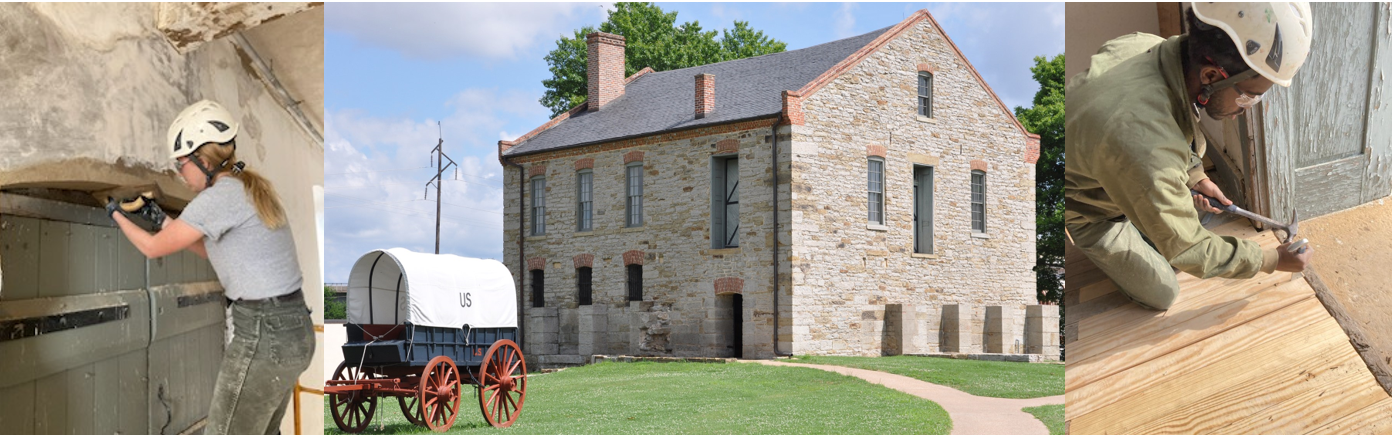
(1259, 355)
(1353, 249)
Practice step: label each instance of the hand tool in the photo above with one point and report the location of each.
(1290, 229)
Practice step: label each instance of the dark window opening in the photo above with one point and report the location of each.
(582, 278)
(635, 282)
(737, 335)
(538, 289)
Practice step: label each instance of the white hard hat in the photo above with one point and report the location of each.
(202, 122)
(1274, 38)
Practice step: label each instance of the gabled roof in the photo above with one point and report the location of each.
(749, 88)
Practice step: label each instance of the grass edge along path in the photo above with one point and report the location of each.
(680, 397)
(1007, 380)
(1050, 415)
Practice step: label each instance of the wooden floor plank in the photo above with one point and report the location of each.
(1370, 420)
(1218, 395)
(1232, 356)
(1144, 334)
(1140, 377)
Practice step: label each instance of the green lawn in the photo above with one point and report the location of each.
(646, 397)
(1009, 380)
(1051, 415)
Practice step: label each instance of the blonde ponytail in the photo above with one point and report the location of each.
(258, 189)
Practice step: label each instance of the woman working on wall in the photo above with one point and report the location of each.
(238, 224)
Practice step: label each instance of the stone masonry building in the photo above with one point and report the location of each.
(878, 175)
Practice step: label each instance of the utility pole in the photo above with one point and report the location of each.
(440, 157)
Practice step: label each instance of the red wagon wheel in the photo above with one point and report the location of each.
(439, 393)
(352, 411)
(410, 408)
(502, 383)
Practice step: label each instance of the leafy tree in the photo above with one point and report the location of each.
(653, 39)
(333, 308)
(1045, 118)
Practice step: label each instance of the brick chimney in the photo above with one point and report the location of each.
(605, 71)
(705, 95)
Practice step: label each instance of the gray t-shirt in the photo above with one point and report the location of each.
(252, 262)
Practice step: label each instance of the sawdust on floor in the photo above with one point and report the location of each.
(1353, 256)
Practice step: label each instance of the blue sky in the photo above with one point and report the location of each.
(394, 70)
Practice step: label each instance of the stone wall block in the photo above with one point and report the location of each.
(1041, 330)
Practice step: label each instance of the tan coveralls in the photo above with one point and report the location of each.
(1128, 171)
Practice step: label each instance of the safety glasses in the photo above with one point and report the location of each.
(1244, 99)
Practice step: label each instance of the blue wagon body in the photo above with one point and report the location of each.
(416, 345)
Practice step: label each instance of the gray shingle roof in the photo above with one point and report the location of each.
(659, 101)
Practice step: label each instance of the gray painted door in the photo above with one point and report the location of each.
(1327, 137)
(147, 364)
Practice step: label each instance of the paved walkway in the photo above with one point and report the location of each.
(974, 415)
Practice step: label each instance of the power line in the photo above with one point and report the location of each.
(381, 170)
(448, 218)
(410, 200)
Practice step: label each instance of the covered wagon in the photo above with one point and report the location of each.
(419, 327)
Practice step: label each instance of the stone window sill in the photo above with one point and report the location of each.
(584, 233)
(631, 229)
(723, 251)
(981, 235)
(536, 237)
(926, 119)
(917, 255)
(876, 227)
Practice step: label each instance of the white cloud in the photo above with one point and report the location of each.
(845, 21)
(435, 31)
(376, 171)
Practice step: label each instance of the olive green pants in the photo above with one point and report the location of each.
(272, 342)
(1122, 253)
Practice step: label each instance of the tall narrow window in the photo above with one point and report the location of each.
(634, 176)
(925, 94)
(923, 209)
(635, 282)
(584, 200)
(582, 278)
(876, 189)
(538, 288)
(725, 223)
(978, 201)
(538, 206)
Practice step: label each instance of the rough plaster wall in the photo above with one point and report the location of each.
(76, 90)
(844, 272)
(680, 268)
(105, 93)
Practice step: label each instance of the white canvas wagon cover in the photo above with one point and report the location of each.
(395, 286)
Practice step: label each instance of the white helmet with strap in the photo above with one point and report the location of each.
(1274, 38)
(200, 123)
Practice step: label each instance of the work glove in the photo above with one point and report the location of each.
(140, 210)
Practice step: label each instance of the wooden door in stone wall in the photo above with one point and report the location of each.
(94, 338)
(1328, 137)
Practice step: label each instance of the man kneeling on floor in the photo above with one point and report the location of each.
(1135, 150)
